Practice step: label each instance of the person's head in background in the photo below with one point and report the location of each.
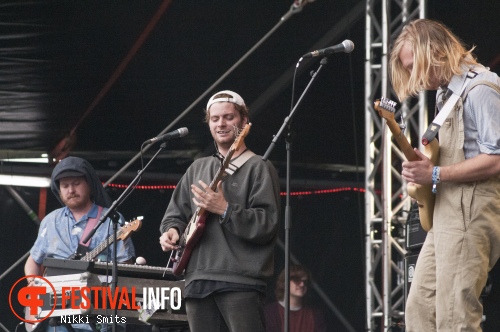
(300, 278)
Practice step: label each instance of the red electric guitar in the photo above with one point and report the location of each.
(196, 226)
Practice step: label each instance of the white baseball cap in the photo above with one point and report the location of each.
(235, 98)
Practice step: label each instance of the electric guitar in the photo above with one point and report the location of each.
(422, 193)
(196, 226)
(122, 234)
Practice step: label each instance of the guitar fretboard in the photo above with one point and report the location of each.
(101, 247)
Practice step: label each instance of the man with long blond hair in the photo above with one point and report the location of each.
(464, 242)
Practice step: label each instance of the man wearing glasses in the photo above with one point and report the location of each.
(303, 317)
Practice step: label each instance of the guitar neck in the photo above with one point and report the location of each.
(213, 185)
(217, 178)
(101, 247)
(222, 169)
(402, 141)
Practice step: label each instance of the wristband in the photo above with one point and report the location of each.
(435, 178)
(222, 216)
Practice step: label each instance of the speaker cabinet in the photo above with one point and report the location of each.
(410, 262)
(415, 234)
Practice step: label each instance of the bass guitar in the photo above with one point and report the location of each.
(421, 193)
(196, 226)
(122, 234)
(32, 324)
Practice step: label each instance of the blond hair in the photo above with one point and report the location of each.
(437, 54)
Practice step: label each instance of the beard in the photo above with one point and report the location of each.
(75, 202)
(227, 140)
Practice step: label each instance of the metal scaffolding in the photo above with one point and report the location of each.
(386, 200)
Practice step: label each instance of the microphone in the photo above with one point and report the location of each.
(346, 46)
(300, 3)
(181, 132)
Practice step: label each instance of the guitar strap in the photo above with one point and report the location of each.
(84, 247)
(237, 162)
(452, 99)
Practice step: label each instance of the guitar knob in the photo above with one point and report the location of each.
(140, 261)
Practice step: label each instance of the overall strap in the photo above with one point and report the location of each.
(483, 82)
(452, 100)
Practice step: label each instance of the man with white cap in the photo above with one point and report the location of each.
(228, 268)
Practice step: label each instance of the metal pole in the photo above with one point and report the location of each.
(293, 10)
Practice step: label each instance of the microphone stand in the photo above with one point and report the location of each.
(288, 217)
(115, 217)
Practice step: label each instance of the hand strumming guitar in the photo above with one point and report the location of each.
(419, 171)
(212, 201)
(169, 239)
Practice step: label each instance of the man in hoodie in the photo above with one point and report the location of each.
(77, 186)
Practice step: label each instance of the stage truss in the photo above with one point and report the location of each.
(386, 200)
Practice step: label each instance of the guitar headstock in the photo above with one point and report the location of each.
(128, 228)
(386, 108)
(239, 140)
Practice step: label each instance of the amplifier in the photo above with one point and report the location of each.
(410, 262)
(415, 234)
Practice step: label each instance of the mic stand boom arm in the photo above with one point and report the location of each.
(288, 119)
(115, 217)
(288, 220)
